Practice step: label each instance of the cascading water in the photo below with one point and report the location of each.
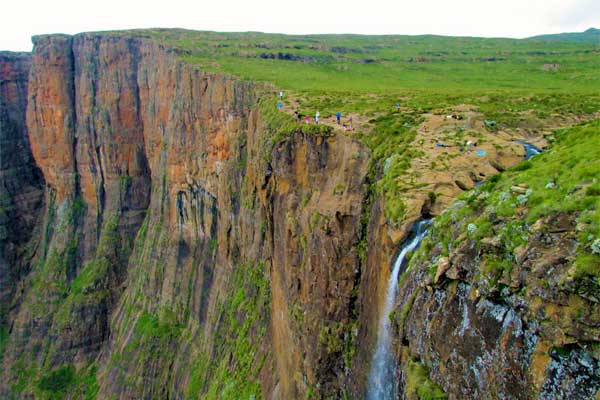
(530, 150)
(381, 384)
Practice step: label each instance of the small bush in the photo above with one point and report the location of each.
(58, 381)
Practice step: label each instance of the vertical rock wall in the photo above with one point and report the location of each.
(180, 253)
(20, 180)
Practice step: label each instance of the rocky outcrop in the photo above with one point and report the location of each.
(501, 301)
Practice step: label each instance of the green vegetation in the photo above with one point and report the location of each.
(87, 385)
(592, 35)
(388, 63)
(418, 383)
(3, 339)
(563, 181)
(232, 371)
(152, 328)
(56, 383)
(66, 380)
(391, 144)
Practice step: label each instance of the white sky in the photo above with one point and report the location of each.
(20, 19)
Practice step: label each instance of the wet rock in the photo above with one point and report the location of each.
(491, 330)
(572, 373)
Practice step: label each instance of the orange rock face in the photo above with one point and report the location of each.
(161, 175)
(50, 114)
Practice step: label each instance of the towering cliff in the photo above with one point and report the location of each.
(185, 247)
(165, 232)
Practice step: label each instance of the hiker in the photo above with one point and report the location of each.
(281, 94)
(297, 116)
(338, 116)
(350, 122)
(398, 106)
(317, 115)
(307, 119)
(279, 106)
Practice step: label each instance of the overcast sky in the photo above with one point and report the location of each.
(507, 18)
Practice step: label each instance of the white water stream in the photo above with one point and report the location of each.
(382, 381)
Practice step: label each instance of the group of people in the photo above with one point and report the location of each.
(347, 125)
(338, 116)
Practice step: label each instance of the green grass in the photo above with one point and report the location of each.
(375, 64)
(151, 327)
(232, 372)
(56, 383)
(563, 180)
(3, 340)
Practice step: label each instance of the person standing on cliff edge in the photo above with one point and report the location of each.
(317, 115)
(281, 94)
(338, 116)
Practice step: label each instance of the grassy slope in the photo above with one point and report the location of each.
(564, 180)
(384, 64)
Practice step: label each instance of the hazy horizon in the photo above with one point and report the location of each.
(508, 19)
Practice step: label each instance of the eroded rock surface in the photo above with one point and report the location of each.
(21, 183)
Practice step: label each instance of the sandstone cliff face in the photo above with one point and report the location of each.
(20, 180)
(316, 266)
(180, 253)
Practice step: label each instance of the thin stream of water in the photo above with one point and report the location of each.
(382, 382)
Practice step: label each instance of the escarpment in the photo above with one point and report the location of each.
(165, 232)
(182, 252)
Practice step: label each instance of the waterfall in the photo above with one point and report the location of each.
(382, 385)
(530, 149)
